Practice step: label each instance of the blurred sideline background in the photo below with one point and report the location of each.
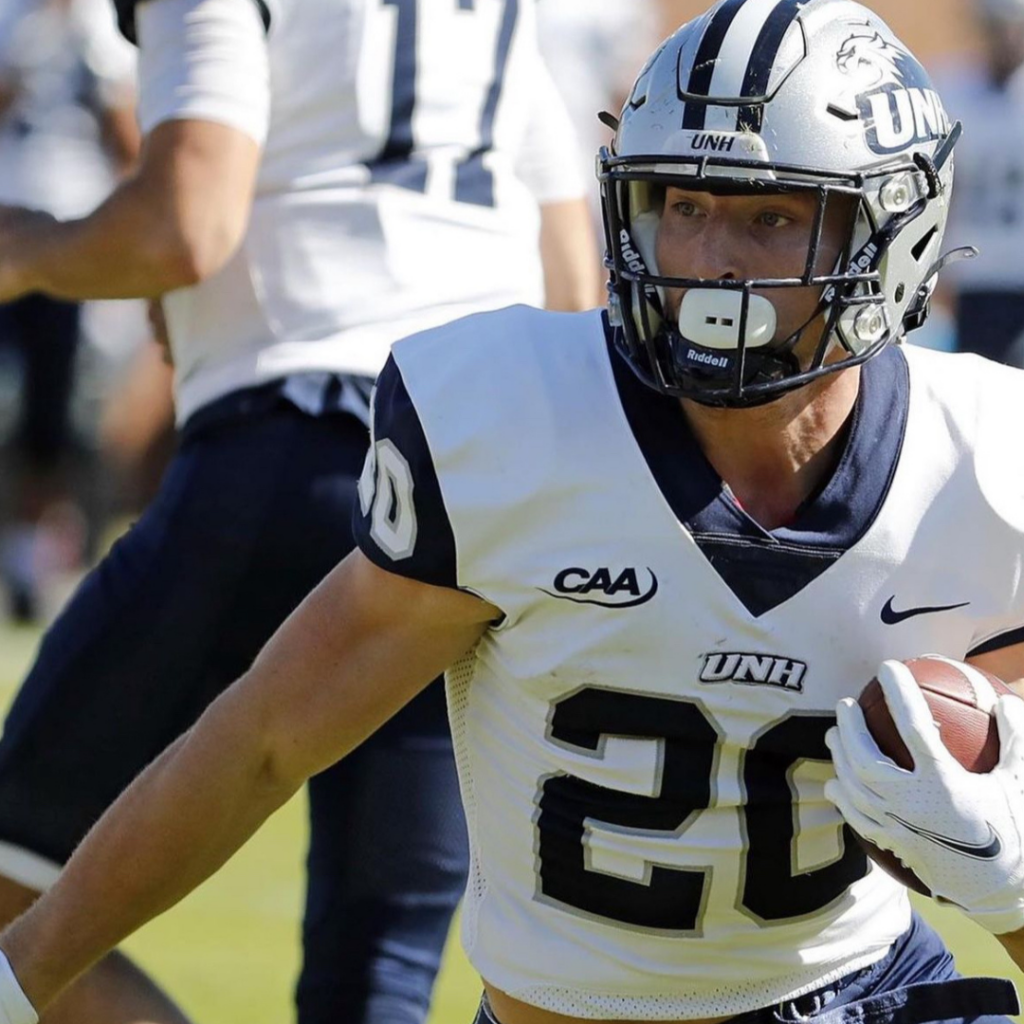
(230, 952)
(936, 30)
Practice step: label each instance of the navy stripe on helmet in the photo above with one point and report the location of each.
(762, 60)
(695, 113)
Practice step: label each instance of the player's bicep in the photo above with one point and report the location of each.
(191, 196)
(361, 646)
(204, 108)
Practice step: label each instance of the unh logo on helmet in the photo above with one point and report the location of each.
(871, 60)
(898, 106)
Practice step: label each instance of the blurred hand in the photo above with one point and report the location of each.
(18, 228)
(158, 323)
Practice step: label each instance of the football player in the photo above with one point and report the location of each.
(318, 178)
(67, 119)
(654, 547)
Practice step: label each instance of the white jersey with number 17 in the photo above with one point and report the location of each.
(408, 145)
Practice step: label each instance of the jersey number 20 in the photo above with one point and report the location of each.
(672, 898)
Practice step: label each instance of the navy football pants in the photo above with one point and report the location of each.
(254, 511)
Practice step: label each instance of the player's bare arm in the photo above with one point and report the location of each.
(360, 647)
(121, 137)
(567, 245)
(573, 278)
(8, 92)
(1006, 664)
(172, 223)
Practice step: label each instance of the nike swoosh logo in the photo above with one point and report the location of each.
(988, 850)
(891, 617)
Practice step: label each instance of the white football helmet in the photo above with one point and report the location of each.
(816, 96)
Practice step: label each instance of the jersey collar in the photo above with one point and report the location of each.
(763, 567)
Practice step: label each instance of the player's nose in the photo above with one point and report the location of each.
(718, 254)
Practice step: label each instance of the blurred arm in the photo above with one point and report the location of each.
(172, 223)
(113, 64)
(8, 94)
(1006, 664)
(121, 138)
(568, 249)
(204, 100)
(357, 649)
(11, 15)
(549, 162)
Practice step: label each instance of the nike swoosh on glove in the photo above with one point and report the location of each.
(961, 833)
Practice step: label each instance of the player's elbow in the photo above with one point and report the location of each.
(274, 779)
(183, 254)
(238, 731)
(191, 198)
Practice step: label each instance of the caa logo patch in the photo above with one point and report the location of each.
(618, 590)
(897, 104)
(754, 670)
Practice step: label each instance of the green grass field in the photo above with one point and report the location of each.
(229, 953)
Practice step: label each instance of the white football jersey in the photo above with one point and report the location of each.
(640, 740)
(408, 145)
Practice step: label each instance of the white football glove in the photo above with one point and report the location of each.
(961, 833)
(14, 1005)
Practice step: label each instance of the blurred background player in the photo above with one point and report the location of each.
(986, 294)
(67, 128)
(317, 179)
(593, 51)
(135, 431)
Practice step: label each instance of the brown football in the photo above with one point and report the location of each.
(961, 707)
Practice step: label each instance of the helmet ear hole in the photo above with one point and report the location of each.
(921, 247)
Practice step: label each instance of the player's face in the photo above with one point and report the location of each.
(731, 237)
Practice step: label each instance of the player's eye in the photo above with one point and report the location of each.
(773, 219)
(686, 208)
